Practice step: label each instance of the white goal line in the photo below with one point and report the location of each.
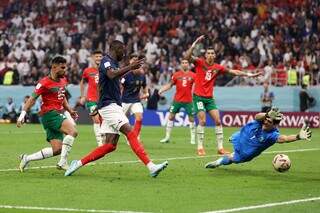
(162, 159)
(64, 209)
(267, 205)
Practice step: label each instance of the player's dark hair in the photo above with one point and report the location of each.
(134, 55)
(210, 48)
(116, 44)
(58, 60)
(97, 52)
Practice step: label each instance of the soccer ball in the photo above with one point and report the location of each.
(281, 163)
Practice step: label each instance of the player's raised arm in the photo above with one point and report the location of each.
(260, 116)
(112, 73)
(30, 102)
(165, 87)
(304, 134)
(188, 54)
(244, 74)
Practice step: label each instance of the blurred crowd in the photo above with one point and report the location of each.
(276, 37)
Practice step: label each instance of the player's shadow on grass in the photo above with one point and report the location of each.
(267, 174)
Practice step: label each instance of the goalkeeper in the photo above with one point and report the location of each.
(257, 136)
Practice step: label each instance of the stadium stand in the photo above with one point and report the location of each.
(281, 38)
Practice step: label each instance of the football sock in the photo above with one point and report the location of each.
(219, 136)
(42, 154)
(137, 127)
(192, 131)
(169, 129)
(137, 147)
(225, 160)
(200, 134)
(98, 153)
(66, 148)
(96, 128)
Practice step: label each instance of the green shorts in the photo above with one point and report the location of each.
(176, 106)
(92, 107)
(203, 104)
(52, 122)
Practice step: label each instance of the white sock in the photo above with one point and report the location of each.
(151, 166)
(192, 131)
(66, 148)
(200, 134)
(219, 136)
(42, 154)
(168, 129)
(96, 128)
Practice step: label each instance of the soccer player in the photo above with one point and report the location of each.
(257, 136)
(114, 120)
(52, 91)
(91, 76)
(207, 72)
(132, 84)
(183, 80)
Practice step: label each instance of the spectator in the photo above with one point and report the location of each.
(306, 101)
(266, 98)
(250, 32)
(153, 100)
(10, 111)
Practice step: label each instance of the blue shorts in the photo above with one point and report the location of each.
(239, 156)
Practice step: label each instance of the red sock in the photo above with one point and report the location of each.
(137, 127)
(137, 147)
(98, 153)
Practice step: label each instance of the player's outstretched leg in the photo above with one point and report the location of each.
(71, 133)
(168, 132)
(96, 154)
(138, 149)
(225, 160)
(40, 155)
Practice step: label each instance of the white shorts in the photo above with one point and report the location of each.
(113, 118)
(132, 108)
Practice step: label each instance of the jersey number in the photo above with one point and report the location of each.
(208, 76)
(200, 105)
(184, 83)
(61, 94)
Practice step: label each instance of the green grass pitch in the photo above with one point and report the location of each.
(119, 183)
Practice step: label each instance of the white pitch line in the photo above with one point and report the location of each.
(161, 159)
(64, 209)
(267, 205)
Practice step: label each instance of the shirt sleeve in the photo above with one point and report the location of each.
(198, 61)
(222, 69)
(39, 89)
(273, 138)
(174, 79)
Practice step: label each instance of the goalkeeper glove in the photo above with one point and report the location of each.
(275, 114)
(305, 133)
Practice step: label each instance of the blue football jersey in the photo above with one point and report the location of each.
(131, 87)
(251, 140)
(109, 89)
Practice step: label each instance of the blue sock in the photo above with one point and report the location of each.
(225, 160)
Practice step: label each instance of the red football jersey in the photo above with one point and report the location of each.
(91, 75)
(206, 76)
(52, 94)
(184, 82)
